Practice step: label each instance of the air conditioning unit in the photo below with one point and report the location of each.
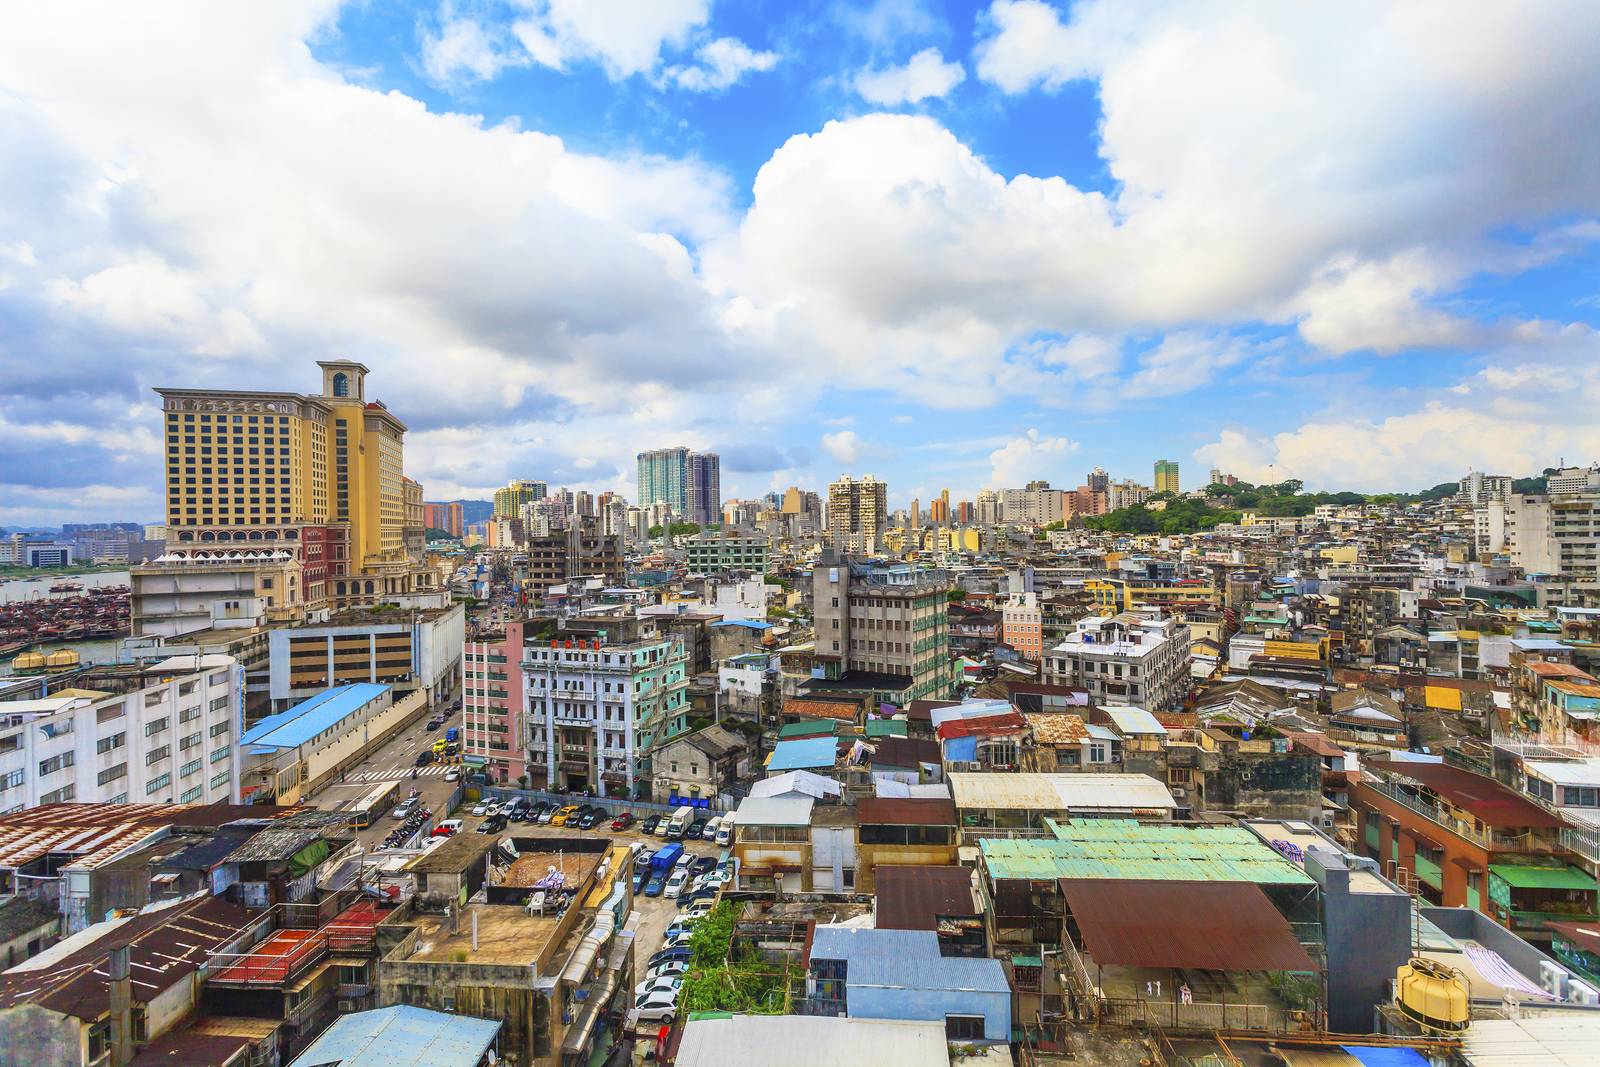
(1553, 979)
(1581, 993)
(1179, 792)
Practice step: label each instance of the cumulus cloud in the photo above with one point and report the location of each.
(462, 49)
(844, 446)
(625, 36)
(924, 75)
(1023, 459)
(720, 63)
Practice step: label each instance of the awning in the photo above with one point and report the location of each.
(1529, 877)
(474, 761)
(1211, 926)
(1585, 936)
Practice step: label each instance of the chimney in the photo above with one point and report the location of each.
(121, 998)
(474, 929)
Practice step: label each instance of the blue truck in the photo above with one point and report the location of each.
(666, 859)
(452, 734)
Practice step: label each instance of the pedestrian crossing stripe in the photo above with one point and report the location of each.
(398, 773)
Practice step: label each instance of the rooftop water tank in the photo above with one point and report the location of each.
(1432, 995)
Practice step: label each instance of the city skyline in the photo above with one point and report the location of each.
(948, 244)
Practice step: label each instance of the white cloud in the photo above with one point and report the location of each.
(1512, 417)
(463, 50)
(1352, 305)
(1023, 459)
(925, 75)
(1029, 47)
(625, 36)
(722, 63)
(844, 445)
(1183, 361)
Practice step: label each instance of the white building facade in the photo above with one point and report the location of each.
(164, 734)
(1140, 660)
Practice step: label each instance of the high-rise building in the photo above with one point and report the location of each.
(1098, 480)
(915, 517)
(703, 496)
(275, 478)
(989, 511)
(882, 630)
(858, 513)
(416, 538)
(1166, 480)
(1037, 504)
(508, 499)
(939, 509)
(690, 483)
(455, 519)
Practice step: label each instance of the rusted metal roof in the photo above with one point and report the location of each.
(905, 811)
(1484, 798)
(1211, 926)
(914, 897)
(93, 833)
(1057, 728)
(906, 752)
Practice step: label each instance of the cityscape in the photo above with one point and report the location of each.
(985, 533)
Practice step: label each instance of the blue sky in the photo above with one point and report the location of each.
(953, 245)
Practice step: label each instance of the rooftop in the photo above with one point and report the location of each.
(913, 897)
(1060, 792)
(307, 719)
(1122, 848)
(905, 959)
(401, 1036)
(803, 753)
(806, 1040)
(506, 935)
(1484, 798)
(94, 833)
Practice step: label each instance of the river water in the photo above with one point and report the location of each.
(99, 650)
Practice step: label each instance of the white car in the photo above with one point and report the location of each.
(677, 937)
(668, 985)
(710, 832)
(698, 910)
(669, 969)
(453, 774)
(481, 808)
(658, 1008)
(675, 884)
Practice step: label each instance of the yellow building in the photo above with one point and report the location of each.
(510, 499)
(1113, 595)
(1166, 476)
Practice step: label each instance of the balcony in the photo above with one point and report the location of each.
(1489, 839)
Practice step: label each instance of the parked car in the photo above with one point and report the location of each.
(623, 821)
(681, 931)
(424, 758)
(699, 909)
(404, 810)
(657, 882)
(669, 968)
(675, 884)
(564, 816)
(669, 955)
(453, 774)
(589, 819)
(669, 984)
(648, 827)
(696, 831)
(434, 724)
(713, 824)
(447, 828)
(702, 864)
(639, 880)
(481, 808)
(658, 1009)
(492, 825)
(642, 858)
(548, 815)
(695, 896)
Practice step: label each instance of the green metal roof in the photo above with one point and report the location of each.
(1529, 877)
(1121, 848)
(886, 728)
(812, 728)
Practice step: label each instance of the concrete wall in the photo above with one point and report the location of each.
(31, 1034)
(1368, 936)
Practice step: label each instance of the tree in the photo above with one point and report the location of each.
(679, 529)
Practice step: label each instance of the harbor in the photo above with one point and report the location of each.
(62, 621)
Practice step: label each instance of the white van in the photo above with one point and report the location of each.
(712, 826)
(725, 830)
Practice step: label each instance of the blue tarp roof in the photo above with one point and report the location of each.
(309, 718)
(401, 1036)
(749, 624)
(803, 753)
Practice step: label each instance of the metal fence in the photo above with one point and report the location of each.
(1127, 1011)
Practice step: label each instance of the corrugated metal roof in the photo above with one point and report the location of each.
(311, 717)
(1565, 1040)
(1118, 848)
(913, 897)
(812, 785)
(1057, 728)
(1211, 926)
(402, 1036)
(803, 753)
(907, 811)
(1131, 720)
(806, 1040)
(904, 959)
(1060, 792)
(774, 811)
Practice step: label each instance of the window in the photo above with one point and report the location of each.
(1540, 788)
(156, 755)
(189, 714)
(59, 796)
(190, 768)
(111, 774)
(192, 794)
(55, 763)
(107, 744)
(963, 1027)
(155, 726)
(158, 783)
(1097, 752)
(1579, 796)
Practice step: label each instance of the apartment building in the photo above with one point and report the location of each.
(858, 513)
(1022, 625)
(494, 703)
(407, 650)
(881, 630)
(510, 499)
(713, 553)
(596, 709)
(1166, 476)
(163, 734)
(1036, 504)
(1138, 659)
(689, 483)
(580, 550)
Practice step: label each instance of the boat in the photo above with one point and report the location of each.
(67, 587)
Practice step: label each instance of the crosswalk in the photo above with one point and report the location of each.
(395, 774)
